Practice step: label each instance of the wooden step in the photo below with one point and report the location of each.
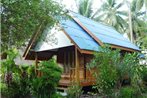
(62, 88)
(65, 76)
(64, 82)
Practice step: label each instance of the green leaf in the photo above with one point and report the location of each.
(11, 19)
(139, 4)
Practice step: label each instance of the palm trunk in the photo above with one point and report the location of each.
(130, 21)
(130, 25)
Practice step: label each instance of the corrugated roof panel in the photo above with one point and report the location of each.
(113, 41)
(70, 23)
(79, 32)
(85, 44)
(79, 36)
(105, 33)
(114, 34)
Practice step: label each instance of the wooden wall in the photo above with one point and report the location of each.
(66, 58)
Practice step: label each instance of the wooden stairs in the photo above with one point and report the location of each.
(64, 83)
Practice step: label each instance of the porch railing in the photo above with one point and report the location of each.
(84, 74)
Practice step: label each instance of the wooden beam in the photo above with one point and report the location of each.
(31, 42)
(87, 52)
(77, 65)
(36, 62)
(84, 67)
(123, 48)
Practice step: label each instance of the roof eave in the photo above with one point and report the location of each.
(124, 48)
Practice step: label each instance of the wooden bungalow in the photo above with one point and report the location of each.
(73, 42)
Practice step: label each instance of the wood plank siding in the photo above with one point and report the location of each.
(74, 65)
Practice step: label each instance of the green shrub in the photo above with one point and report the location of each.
(45, 86)
(13, 82)
(5, 91)
(105, 63)
(114, 70)
(74, 91)
(144, 74)
(21, 81)
(17, 87)
(127, 92)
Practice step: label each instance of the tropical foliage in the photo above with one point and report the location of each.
(22, 18)
(104, 65)
(20, 81)
(14, 78)
(74, 91)
(138, 23)
(115, 71)
(85, 7)
(44, 86)
(111, 15)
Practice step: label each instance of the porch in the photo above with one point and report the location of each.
(85, 77)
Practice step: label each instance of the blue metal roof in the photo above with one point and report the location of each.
(104, 33)
(79, 36)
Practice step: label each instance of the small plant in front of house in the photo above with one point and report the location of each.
(74, 91)
(144, 79)
(114, 71)
(14, 79)
(126, 92)
(45, 85)
(144, 74)
(106, 75)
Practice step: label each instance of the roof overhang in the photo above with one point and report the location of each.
(43, 55)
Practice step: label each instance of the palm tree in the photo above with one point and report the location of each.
(110, 14)
(138, 25)
(85, 7)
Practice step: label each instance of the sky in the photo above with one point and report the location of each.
(71, 4)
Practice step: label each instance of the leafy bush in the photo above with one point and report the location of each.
(15, 79)
(74, 91)
(115, 70)
(5, 91)
(44, 86)
(106, 76)
(144, 75)
(130, 92)
(21, 81)
(126, 92)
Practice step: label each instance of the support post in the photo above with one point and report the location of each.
(36, 62)
(84, 67)
(77, 65)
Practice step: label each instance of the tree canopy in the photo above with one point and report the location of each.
(111, 15)
(85, 7)
(21, 18)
